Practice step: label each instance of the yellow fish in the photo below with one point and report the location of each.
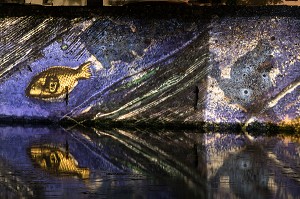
(57, 161)
(57, 81)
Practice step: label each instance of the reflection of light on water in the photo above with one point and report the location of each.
(244, 163)
(137, 148)
(285, 170)
(239, 167)
(224, 182)
(57, 161)
(15, 184)
(272, 185)
(95, 183)
(159, 157)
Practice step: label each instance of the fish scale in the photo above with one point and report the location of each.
(54, 83)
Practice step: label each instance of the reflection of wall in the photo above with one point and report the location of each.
(261, 168)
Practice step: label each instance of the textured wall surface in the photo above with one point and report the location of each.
(256, 69)
(219, 69)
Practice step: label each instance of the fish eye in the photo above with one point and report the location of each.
(53, 86)
(53, 158)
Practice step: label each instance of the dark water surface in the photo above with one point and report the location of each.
(43, 162)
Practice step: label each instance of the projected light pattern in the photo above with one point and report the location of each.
(255, 68)
(171, 69)
(57, 161)
(57, 82)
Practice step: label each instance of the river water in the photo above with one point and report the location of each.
(53, 162)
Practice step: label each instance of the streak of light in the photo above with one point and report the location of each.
(286, 91)
(167, 162)
(164, 57)
(32, 32)
(285, 170)
(169, 83)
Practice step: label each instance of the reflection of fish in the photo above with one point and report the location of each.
(55, 82)
(57, 161)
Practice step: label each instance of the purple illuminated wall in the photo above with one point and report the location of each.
(222, 69)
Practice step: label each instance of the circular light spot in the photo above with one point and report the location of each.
(64, 47)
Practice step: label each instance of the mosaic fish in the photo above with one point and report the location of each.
(56, 160)
(57, 82)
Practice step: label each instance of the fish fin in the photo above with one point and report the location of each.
(84, 70)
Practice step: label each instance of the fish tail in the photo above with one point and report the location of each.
(84, 70)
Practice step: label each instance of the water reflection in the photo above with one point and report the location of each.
(243, 174)
(40, 162)
(57, 161)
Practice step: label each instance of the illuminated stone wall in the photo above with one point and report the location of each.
(219, 69)
(256, 69)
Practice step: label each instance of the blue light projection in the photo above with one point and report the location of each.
(243, 68)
